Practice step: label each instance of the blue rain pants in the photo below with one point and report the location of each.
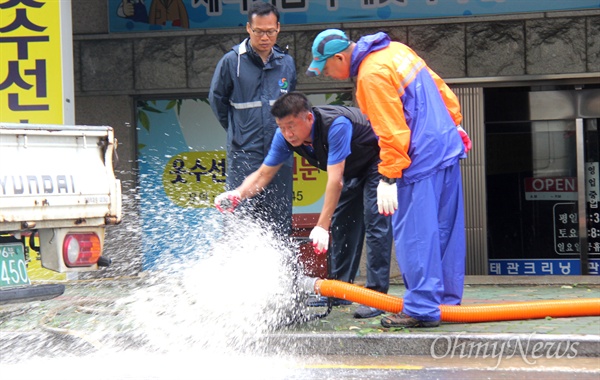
(429, 233)
(355, 216)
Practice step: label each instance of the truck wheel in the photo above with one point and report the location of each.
(31, 293)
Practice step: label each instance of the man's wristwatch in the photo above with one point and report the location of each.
(390, 181)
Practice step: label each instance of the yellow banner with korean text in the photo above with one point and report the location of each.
(309, 183)
(194, 179)
(36, 75)
(36, 59)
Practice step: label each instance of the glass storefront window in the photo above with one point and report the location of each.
(536, 173)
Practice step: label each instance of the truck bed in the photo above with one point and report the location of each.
(57, 176)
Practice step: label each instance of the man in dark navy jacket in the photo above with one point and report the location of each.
(246, 82)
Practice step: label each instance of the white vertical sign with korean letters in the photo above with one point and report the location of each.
(592, 189)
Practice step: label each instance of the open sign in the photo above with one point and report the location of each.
(551, 188)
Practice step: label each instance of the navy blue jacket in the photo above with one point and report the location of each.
(242, 91)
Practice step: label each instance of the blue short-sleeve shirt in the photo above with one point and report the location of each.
(339, 139)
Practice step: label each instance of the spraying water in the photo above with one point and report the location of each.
(224, 299)
(199, 316)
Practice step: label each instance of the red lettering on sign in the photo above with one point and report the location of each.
(551, 184)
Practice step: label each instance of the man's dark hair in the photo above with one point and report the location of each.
(260, 8)
(292, 103)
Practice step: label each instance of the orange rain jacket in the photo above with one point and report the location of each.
(410, 107)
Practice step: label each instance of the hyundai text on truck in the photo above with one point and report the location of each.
(58, 192)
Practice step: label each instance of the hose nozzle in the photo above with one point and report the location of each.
(227, 202)
(308, 284)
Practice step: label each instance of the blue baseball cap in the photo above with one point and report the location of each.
(327, 44)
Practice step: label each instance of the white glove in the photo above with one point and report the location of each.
(387, 198)
(320, 238)
(228, 201)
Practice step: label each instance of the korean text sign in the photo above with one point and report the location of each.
(151, 15)
(36, 75)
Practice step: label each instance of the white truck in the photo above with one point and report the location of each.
(58, 192)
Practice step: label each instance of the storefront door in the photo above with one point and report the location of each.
(542, 181)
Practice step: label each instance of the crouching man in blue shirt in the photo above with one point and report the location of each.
(339, 140)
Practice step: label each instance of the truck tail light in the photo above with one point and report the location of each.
(81, 249)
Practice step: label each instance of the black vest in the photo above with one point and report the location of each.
(364, 145)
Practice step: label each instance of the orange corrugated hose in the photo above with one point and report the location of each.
(585, 307)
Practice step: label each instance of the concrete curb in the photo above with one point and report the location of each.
(530, 347)
(437, 345)
(41, 343)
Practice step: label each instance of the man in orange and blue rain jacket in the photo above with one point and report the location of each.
(417, 119)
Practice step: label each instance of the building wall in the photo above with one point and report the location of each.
(112, 70)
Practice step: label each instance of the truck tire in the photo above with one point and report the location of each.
(31, 293)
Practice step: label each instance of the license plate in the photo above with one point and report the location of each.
(13, 269)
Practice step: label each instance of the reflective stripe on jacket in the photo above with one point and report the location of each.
(242, 91)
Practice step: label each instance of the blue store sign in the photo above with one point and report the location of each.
(152, 15)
